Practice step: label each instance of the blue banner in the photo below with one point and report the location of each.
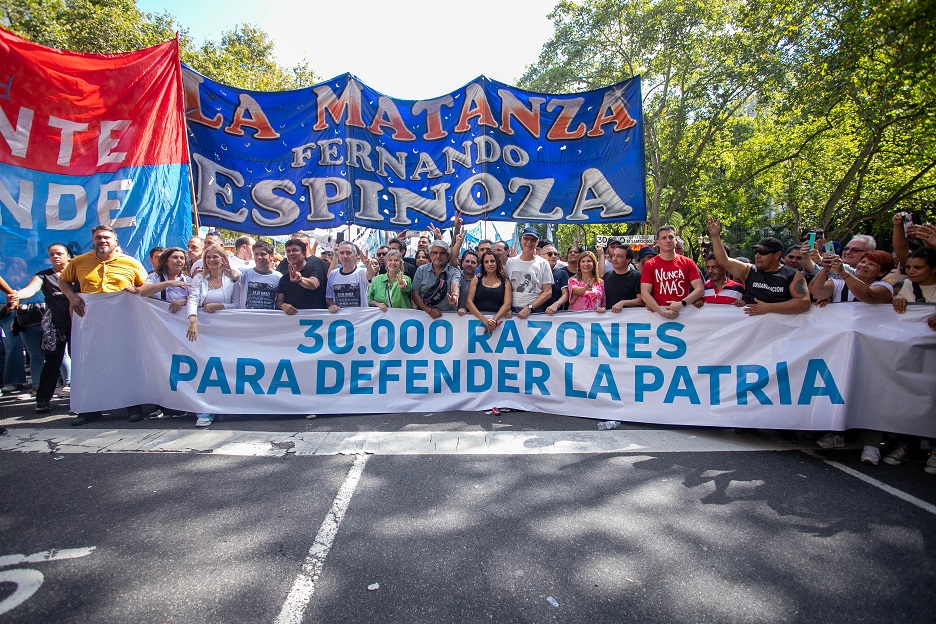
(147, 206)
(339, 152)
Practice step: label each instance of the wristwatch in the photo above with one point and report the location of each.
(683, 302)
(530, 305)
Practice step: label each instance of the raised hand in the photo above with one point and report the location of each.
(714, 227)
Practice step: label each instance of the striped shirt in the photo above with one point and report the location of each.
(732, 292)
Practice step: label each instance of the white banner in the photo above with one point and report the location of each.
(844, 366)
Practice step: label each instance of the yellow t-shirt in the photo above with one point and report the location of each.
(96, 276)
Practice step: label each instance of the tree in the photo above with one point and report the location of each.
(774, 115)
(102, 26)
(702, 64)
(244, 58)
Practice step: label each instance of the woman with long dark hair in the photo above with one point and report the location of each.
(168, 280)
(490, 293)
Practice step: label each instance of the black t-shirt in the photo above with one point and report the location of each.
(560, 281)
(55, 299)
(302, 298)
(621, 287)
(769, 287)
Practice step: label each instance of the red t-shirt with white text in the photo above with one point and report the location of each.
(671, 279)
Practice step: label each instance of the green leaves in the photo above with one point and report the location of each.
(772, 114)
(244, 57)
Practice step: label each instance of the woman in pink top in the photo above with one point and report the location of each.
(586, 290)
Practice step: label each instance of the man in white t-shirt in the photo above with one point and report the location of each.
(347, 285)
(530, 275)
(256, 287)
(242, 258)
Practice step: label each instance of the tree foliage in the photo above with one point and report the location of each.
(244, 57)
(770, 114)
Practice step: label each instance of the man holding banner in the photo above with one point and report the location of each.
(769, 286)
(531, 277)
(669, 282)
(104, 270)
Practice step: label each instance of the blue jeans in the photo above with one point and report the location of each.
(66, 369)
(32, 338)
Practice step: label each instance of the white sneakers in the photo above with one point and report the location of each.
(871, 455)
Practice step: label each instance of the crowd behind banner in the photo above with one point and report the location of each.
(470, 328)
(114, 178)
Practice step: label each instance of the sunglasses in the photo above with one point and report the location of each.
(762, 252)
(381, 253)
(551, 253)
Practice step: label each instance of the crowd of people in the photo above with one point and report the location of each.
(491, 282)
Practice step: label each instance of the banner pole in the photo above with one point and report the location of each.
(188, 149)
(191, 177)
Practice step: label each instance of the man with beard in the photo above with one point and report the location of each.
(437, 285)
(769, 286)
(104, 270)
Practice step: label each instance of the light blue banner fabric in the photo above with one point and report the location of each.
(146, 205)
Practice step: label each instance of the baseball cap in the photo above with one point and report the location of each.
(644, 252)
(530, 232)
(769, 244)
(441, 244)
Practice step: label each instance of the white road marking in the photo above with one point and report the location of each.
(27, 582)
(56, 554)
(277, 444)
(304, 586)
(913, 500)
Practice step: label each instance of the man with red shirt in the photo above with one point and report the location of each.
(669, 283)
(720, 288)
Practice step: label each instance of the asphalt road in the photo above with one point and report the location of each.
(458, 517)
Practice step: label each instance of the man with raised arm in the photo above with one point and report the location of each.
(668, 282)
(303, 285)
(769, 286)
